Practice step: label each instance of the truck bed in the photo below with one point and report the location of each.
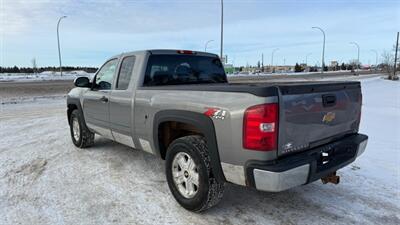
(306, 117)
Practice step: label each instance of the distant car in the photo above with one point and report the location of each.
(179, 106)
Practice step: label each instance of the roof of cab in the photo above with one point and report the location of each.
(164, 51)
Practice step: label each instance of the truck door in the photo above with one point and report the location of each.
(121, 103)
(96, 101)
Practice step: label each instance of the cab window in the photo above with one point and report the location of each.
(183, 69)
(105, 76)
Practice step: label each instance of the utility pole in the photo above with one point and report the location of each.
(323, 48)
(222, 28)
(358, 53)
(58, 42)
(272, 58)
(262, 62)
(395, 57)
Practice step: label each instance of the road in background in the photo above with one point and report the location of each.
(301, 77)
(12, 92)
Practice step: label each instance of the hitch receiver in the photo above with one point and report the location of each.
(331, 178)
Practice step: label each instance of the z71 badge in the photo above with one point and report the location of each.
(215, 113)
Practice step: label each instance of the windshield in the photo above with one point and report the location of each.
(183, 69)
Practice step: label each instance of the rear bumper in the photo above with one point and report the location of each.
(305, 167)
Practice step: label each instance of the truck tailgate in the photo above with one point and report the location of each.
(314, 114)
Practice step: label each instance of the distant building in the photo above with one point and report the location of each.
(279, 69)
(229, 68)
(334, 63)
(268, 69)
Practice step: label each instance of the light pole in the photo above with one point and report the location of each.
(376, 57)
(272, 56)
(222, 27)
(206, 45)
(262, 62)
(58, 42)
(323, 48)
(358, 52)
(307, 57)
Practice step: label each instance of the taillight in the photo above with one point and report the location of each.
(359, 114)
(260, 127)
(186, 52)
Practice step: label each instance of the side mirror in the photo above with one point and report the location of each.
(82, 82)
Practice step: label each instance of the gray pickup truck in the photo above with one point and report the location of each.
(179, 105)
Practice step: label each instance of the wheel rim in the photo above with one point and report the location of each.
(75, 129)
(185, 175)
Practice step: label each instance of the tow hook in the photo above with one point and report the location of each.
(331, 178)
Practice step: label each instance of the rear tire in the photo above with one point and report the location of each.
(81, 136)
(192, 150)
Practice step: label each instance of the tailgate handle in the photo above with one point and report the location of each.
(328, 100)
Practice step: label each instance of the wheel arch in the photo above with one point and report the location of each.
(201, 124)
(73, 104)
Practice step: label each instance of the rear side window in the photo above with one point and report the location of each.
(125, 73)
(183, 69)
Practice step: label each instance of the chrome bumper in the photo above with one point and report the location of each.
(280, 181)
(305, 168)
(361, 147)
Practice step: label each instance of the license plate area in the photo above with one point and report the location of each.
(333, 156)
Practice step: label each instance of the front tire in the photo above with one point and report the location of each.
(189, 175)
(81, 136)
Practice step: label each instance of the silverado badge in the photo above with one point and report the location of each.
(329, 117)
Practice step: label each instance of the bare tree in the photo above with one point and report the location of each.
(388, 62)
(355, 64)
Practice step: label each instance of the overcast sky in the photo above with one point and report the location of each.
(97, 30)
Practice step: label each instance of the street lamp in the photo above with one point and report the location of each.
(358, 52)
(58, 42)
(206, 45)
(272, 58)
(376, 57)
(307, 57)
(323, 48)
(222, 28)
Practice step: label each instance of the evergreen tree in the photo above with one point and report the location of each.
(15, 69)
(298, 68)
(343, 66)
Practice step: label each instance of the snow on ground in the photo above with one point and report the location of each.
(46, 75)
(44, 179)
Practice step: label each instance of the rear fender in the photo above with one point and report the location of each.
(201, 122)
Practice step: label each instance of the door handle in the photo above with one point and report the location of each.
(104, 99)
(328, 100)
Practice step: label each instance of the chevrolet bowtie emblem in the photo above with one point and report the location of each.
(329, 117)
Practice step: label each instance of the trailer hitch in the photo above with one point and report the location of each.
(331, 178)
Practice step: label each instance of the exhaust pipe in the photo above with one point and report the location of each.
(331, 178)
